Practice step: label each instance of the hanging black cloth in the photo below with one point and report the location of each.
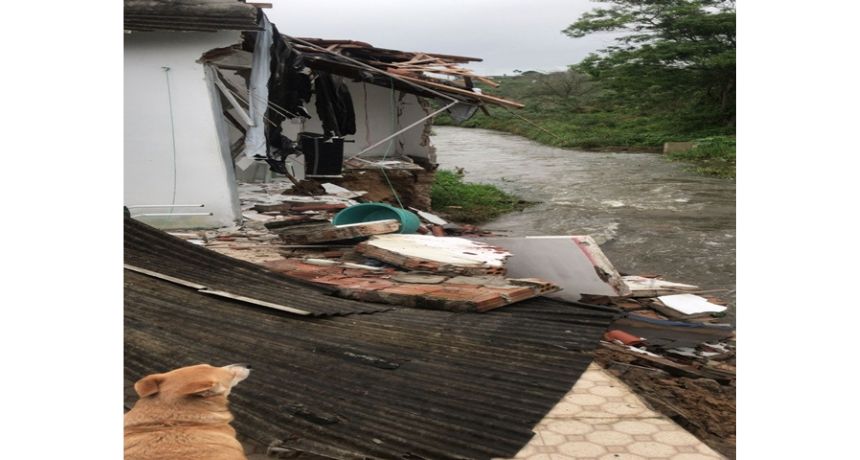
(334, 105)
(289, 88)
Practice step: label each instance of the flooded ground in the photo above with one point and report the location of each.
(649, 215)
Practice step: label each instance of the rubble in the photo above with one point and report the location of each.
(388, 285)
(641, 286)
(689, 304)
(667, 340)
(435, 254)
(324, 232)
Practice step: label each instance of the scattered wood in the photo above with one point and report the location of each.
(672, 367)
(428, 217)
(326, 232)
(464, 92)
(288, 221)
(298, 207)
(641, 286)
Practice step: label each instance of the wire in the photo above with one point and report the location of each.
(245, 100)
(388, 149)
(172, 132)
(533, 124)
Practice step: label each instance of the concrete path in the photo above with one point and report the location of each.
(602, 419)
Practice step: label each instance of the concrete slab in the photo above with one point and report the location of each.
(574, 263)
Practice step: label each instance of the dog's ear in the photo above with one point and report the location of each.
(148, 385)
(203, 388)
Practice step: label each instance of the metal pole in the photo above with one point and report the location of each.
(165, 206)
(177, 214)
(371, 147)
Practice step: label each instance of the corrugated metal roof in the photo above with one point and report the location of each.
(399, 383)
(404, 383)
(190, 15)
(151, 249)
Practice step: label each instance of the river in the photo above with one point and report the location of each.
(649, 215)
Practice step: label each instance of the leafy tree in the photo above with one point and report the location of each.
(671, 55)
(571, 87)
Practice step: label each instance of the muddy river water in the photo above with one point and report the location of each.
(650, 216)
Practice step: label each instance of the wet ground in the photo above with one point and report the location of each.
(649, 215)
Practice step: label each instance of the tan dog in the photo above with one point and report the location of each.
(183, 414)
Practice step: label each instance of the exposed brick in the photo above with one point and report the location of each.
(364, 284)
(514, 294)
(358, 273)
(413, 289)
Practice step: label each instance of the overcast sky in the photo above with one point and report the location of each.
(507, 34)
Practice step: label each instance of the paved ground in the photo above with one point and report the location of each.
(600, 418)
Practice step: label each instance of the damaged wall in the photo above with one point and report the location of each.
(193, 151)
(416, 141)
(378, 113)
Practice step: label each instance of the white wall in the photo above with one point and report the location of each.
(377, 116)
(200, 166)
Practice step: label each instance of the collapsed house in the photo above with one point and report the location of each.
(214, 93)
(340, 379)
(353, 360)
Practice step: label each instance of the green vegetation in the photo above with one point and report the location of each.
(470, 203)
(669, 77)
(713, 156)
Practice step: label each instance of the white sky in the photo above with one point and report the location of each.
(507, 34)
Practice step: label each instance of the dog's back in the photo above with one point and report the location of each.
(183, 414)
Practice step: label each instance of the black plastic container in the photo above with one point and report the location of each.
(323, 157)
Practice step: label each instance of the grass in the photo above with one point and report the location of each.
(712, 156)
(592, 125)
(470, 203)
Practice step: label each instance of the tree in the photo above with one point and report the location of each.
(671, 55)
(566, 84)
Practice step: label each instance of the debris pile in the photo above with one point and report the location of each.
(669, 340)
(369, 260)
(672, 349)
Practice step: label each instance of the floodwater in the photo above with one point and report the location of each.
(649, 215)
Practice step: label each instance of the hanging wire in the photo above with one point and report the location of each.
(243, 99)
(388, 148)
(172, 132)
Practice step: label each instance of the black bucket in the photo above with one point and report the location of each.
(323, 157)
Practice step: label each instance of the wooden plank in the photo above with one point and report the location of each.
(464, 92)
(673, 367)
(326, 232)
(164, 277)
(205, 290)
(250, 300)
(232, 100)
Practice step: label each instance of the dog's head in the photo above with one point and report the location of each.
(202, 381)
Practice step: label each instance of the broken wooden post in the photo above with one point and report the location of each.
(325, 231)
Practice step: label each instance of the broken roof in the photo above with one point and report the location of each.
(423, 72)
(190, 15)
(399, 383)
(148, 250)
